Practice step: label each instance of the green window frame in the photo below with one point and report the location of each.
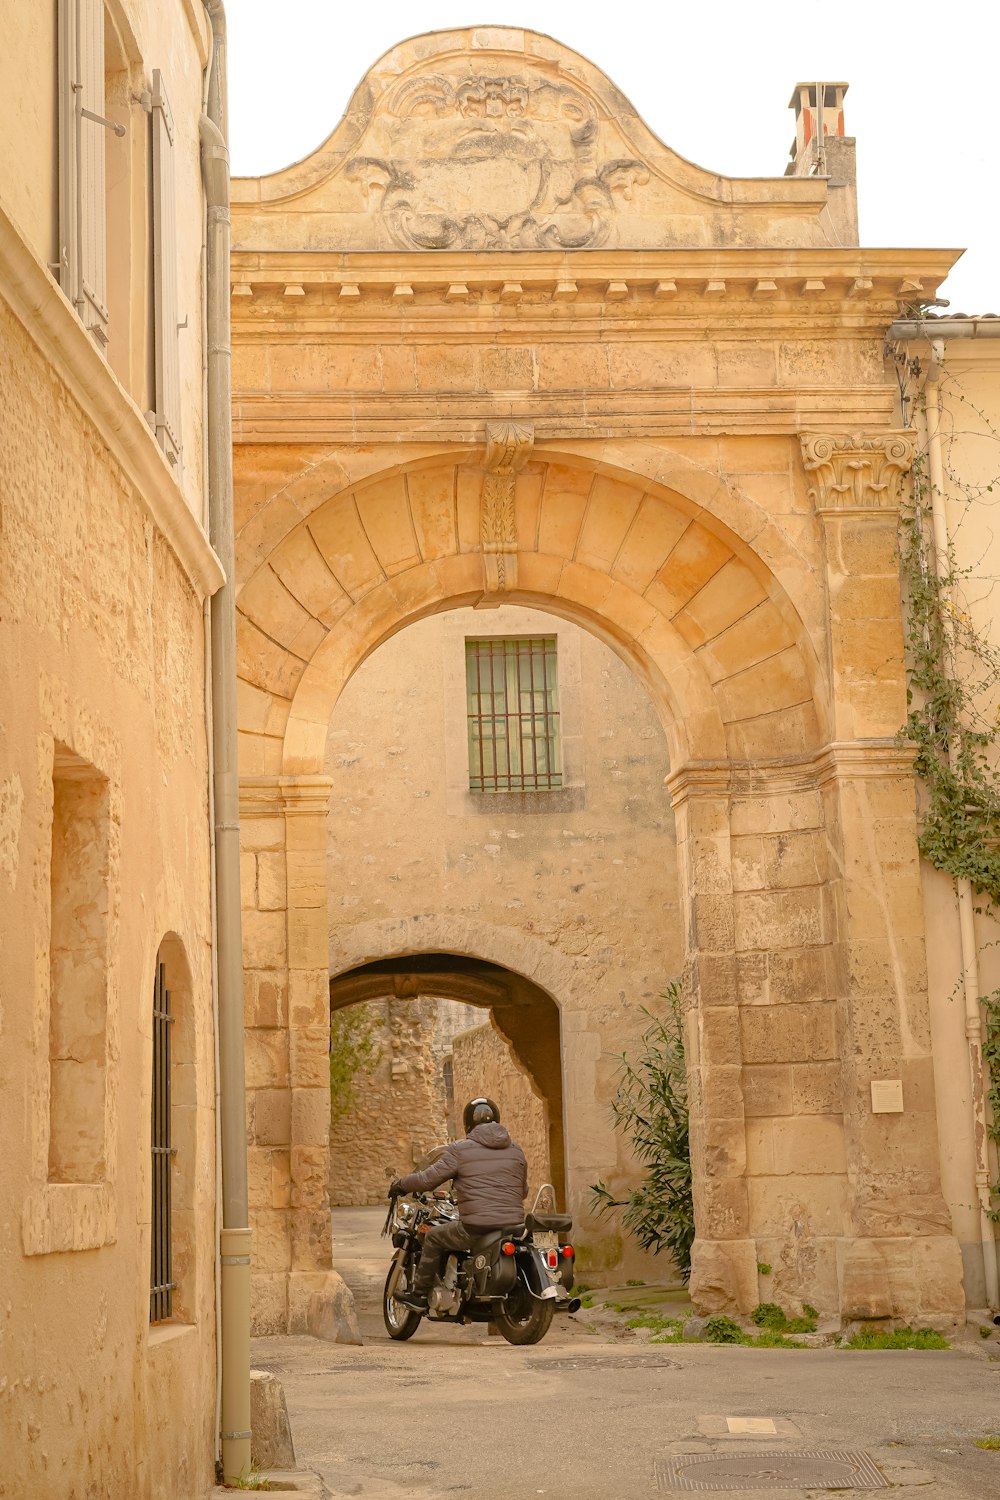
(513, 714)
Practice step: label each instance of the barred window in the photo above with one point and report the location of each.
(161, 1283)
(513, 714)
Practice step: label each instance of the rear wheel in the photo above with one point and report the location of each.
(522, 1318)
(401, 1322)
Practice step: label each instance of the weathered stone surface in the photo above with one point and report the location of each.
(723, 1276)
(331, 1314)
(271, 1445)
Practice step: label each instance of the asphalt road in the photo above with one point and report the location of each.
(597, 1417)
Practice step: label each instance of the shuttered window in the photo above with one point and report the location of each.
(166, 322)
(83, 270)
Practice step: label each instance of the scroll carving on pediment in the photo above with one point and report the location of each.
(856, 471)
(495, 163)
(508, 446)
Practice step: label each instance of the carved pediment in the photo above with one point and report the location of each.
(495, 162)
(497, 139)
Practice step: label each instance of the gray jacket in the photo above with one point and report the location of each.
(490, 1174)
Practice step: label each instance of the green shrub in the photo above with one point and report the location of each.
(650, 1106)
(768, 1315)
(763, 1269)
(990, 1443)
(722, 1330)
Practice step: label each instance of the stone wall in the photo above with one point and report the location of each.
(483, 1065)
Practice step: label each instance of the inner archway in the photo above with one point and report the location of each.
(523, 1015)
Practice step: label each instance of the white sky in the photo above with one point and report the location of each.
(711, 79)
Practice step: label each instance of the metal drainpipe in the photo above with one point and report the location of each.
(963, 888)
(234, 1237)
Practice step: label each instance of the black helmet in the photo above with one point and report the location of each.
(481, 1111)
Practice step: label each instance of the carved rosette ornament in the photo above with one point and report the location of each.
(855, 472)
(508, 445)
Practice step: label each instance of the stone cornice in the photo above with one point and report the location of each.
(840, 761)
(298, 285)
(856, 473)
(58, 334)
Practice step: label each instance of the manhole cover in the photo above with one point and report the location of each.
(822, 1469)
(605, 1362)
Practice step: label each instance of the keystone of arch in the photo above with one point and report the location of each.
(702, 494)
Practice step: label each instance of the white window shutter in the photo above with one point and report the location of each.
(165, 320)
(82, 194)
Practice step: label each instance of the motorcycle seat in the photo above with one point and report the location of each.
(489, 1237)
(550, 1223)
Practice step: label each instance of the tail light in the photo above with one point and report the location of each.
(552, 1259)
(568, 1252)
(508, 1247)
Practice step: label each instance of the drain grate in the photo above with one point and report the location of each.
(605, 1362)
(820, 1469)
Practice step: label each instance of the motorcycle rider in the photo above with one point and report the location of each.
(490, 1174)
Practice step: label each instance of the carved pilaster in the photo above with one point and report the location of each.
(508, 445)
(855, 472)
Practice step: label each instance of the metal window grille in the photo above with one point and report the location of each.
(161, 1286)
(513, 714)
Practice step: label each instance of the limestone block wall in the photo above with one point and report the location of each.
(104, 828)
(103, 657)
(483, 1065)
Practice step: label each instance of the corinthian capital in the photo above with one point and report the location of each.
(855, 471)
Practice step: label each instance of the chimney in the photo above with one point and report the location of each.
(819, 114)
(822, 149)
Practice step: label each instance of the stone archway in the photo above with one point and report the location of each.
(631, 433)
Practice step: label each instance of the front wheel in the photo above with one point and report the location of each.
(521, 1318)
(401, 1322)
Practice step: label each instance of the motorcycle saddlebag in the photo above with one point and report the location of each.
(493, 1272)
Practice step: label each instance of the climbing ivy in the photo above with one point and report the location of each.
(354, 1053)
(953, 719)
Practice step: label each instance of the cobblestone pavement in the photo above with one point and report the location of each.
(594, 1417)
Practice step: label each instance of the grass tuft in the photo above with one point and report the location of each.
(770, 1316)
(896, 1338)
(991, 1443)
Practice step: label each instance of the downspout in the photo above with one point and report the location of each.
(234, 1236)
(963, 888)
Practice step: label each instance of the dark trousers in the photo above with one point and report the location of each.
(439, 1241)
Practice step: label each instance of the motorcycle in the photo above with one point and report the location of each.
(517, 1278)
